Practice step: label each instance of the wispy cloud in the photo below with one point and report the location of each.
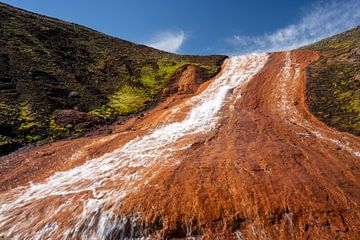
(322, 19)
(168, 41)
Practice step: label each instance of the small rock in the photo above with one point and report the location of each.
(73, 117)
(74, 94)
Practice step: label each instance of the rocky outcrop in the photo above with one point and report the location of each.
(76, 121)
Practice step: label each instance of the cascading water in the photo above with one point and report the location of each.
(81, 202)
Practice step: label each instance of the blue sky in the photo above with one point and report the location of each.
(207, 26)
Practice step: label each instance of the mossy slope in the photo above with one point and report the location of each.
(333, 85)
(48, 65)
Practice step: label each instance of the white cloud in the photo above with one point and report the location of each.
(168, 41)
(321, 20)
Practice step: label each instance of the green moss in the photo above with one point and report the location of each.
(57, 132)
(27, 126)
(354, 124)
(149, 76)
(32, 139)
(345, 95)
(30, 46)
(346, 44)
(79, 130)
(130, 99)
(25, 113)
(337, 91)
(125, 101)
(6, 107)
(26, 119)
(155, 79)
(353, 106)
(211, 70)
(3, 143)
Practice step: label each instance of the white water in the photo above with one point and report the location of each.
(89, 194)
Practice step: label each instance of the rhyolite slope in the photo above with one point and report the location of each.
(59, 79)
(333, 84)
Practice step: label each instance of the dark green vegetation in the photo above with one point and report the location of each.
(333, 85)
(47, 65)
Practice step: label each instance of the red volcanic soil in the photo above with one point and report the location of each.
(267, 170)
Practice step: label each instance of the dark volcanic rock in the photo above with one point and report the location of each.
(76, 121)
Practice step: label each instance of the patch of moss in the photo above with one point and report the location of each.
(354, 105)
(25, 113)
(26, 119)
(211, 70)
(6, 107)
(125, 101)
(332, 85)
(25, 126)
(345, 95)
(346, 44)
(33, 139)
(57, 132)
(155, 79)
(29, 130)
(130, 99)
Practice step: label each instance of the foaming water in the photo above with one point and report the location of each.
(82, 202)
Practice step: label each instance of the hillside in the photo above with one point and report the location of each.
(59, 79)
(333, 84)
(238, 157)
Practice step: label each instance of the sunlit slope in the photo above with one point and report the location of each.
(333, 85)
